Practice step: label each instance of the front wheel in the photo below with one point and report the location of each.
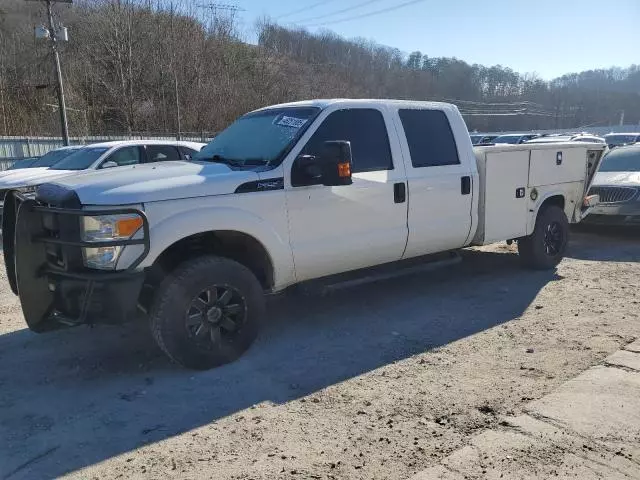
(207, 312)
(546, 246)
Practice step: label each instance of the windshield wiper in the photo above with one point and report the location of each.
(232, 161)
(220, 159)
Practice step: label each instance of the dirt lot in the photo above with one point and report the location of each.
(377, 381)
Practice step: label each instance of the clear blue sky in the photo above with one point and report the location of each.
(549, 37)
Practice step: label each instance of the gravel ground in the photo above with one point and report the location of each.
(374, 382)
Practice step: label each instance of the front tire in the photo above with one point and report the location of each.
(546, 246)
(207, 312)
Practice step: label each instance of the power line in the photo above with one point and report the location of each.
(471, 102)
(300, 10)
(365, 15)
(338, 12)
(215, 7)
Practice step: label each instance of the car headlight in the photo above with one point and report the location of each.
(106, 228)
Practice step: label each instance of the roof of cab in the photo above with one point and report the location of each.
(122, 143)
(323, 103)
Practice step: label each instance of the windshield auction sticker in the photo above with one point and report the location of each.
(292, 122)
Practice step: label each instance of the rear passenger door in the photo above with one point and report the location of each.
(440, 185)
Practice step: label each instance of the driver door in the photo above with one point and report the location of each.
(342, 228)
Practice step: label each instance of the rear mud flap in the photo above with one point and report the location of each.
(8, 237)
(30, 258)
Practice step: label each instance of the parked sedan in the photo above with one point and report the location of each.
(618, 185)
(619, 139)
(98, 156)
(45, 161)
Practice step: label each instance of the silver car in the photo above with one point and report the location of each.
(618, 185)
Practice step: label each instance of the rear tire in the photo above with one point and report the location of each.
(546, 246)
(207, 312)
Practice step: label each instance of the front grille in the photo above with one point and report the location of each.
(614, 194)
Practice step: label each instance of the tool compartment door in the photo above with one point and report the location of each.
(505, 195)
(551, 166)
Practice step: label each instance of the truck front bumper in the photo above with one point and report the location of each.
(43, 257)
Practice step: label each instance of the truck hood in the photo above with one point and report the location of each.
(31, 176)
(617, 178)
(155, 182)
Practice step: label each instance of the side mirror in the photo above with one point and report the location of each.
(335, 163)
(331, 168)
(109, 164)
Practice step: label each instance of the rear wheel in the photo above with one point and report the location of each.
(546, 246)
(207, 312)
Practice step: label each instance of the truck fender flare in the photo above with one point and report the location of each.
(209, 219)
(538, 206)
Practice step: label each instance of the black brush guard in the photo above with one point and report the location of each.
(42, 250)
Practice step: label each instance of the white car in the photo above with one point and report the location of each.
(620, 139)
(617, 183)
(39, 164)
(98, 156)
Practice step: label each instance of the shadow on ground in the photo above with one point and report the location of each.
(77, 397)
(620, 244)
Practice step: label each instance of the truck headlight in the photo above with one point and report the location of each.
(106, 228)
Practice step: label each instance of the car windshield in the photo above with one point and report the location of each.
(507, 139)
(80, 159)
(619, 139)
(23, 163)
(53, 157)
(623, 160)
(258, 138)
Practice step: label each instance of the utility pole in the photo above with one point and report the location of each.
(56, 59)
(52, 34)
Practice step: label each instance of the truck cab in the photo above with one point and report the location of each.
(286, 194)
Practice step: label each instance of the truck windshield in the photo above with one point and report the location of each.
(80, 159)
(258, 138)
(53, 157)
(622, 161)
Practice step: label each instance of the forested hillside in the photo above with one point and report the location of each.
(159, 66)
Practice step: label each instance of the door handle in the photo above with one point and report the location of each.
(465, 185)
(399, 192)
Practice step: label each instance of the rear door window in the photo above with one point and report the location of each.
(430, 139)
(187, 152)
(162, 153)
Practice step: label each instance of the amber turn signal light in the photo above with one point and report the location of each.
(344, 170)
(128, 226)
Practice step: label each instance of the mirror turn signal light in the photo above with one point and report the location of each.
(344, 170)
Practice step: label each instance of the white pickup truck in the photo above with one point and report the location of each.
(286, 194)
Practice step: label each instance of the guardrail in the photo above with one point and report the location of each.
(5, 163)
